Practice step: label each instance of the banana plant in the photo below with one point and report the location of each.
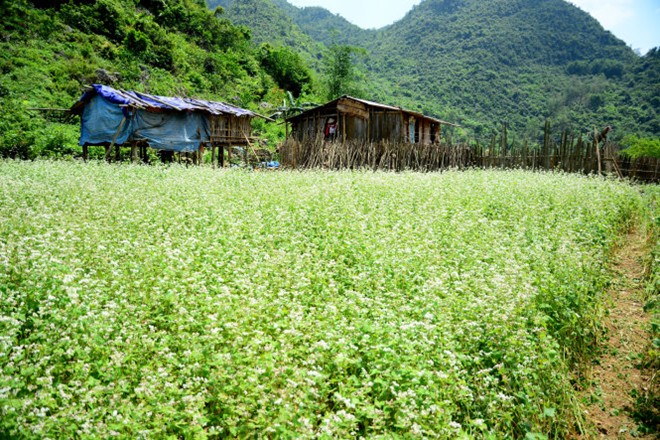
(291, 107)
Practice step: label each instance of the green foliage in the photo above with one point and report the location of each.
(137, 42)
(291, 107)
(271, 24)
(232, 304)
(25, 134)
(481, 63)
(50, 52)
(647, 408)
(208, 29)
(324, 26)
(637, 147)
(286, 67)
(103, 17)
(609, 68)
(16, 138)
(341, 75)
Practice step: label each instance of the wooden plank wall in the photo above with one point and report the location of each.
(385, 126)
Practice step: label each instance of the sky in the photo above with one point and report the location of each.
(637, 22)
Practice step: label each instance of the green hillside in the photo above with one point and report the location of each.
(501, 60)
(272, 23)
(484, 63)
(50, 50)
(324, 26)
(478, 64)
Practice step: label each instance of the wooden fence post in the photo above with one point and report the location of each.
(600, 166)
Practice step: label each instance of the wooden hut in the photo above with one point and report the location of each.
(112, 117)
(349, 119)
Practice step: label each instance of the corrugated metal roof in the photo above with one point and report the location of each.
(371, 103)
(377, 105)
(146, 101)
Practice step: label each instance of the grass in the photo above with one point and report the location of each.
(153, 302)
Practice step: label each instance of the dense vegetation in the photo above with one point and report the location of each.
(224, 303)
(483, 63)
(648, 399)
(50, 50)
(475, 63)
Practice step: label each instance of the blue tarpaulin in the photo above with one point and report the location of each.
(181, 131)
(166, 123)
(100, 122)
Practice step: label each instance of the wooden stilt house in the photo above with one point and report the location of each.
(115, 118)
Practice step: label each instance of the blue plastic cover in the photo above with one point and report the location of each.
(108, 93)
(181, 131)
(173, 131)
(101, 120)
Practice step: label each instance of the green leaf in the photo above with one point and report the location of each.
(549, 412)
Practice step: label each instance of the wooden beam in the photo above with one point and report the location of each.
(353, 111)
(343, 127)
(600, 166)
(108, 150)
(46, 109)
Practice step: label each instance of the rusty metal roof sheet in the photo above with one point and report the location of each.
(377, 105)
(154, 102)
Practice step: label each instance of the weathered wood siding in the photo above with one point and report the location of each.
(353, 108)
(386, 126)
(313, 125)
(229, 130)
(356, 128)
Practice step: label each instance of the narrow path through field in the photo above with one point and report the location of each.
(609, 399)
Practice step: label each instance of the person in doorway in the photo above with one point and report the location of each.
(330, 131)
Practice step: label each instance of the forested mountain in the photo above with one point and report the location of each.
(482, 63)
(271, 23)
(472, 62)
(324, 26)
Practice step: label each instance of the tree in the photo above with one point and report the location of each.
(340, 71)
(291, 107)
(641, 147)
(286, 67)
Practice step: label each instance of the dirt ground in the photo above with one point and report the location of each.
(608, 400)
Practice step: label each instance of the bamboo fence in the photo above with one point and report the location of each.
(569, 153)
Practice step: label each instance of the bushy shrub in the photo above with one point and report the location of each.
(56, 140)
(104, 17)
(641, 147)
(286, 67)
(16, 136)
(137, 42)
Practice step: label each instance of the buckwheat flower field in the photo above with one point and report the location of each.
(153, 302)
